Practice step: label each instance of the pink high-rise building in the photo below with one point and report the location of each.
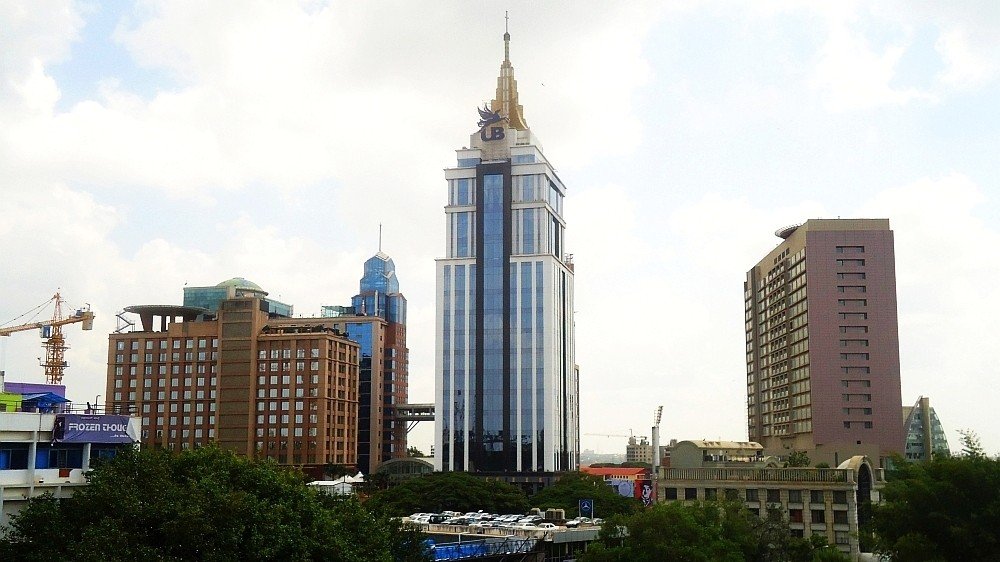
(822, 342)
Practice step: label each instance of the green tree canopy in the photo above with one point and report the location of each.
(706, 532)
(205, 504)
(450, 491)
(798, 459)
(947, 508)
(575, 486)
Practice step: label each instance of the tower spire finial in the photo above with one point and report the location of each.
(506, 37)
(379, 237)
(505, 102)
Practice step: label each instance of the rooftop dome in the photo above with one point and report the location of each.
(241, 283)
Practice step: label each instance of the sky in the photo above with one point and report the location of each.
(148, 145)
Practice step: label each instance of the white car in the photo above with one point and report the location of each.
(545, 526)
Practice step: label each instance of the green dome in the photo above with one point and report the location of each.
(241, 283)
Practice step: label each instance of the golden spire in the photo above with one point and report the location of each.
(505, 102)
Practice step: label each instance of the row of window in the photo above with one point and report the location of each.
(163, 357)
(162, 382)
(162, 395)
(203, 343)
(753, 495)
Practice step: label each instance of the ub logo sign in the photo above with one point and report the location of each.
(488, 117)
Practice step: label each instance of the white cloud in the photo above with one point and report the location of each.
(946, 271)
(857, 75)
(966, 67)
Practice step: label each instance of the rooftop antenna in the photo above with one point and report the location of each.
(379, 237)
(506, 36)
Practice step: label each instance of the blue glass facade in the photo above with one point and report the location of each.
(494, 409)
(379, 291)
(507, 373)
(506, 378)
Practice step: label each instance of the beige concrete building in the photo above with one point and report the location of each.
(639, 450)
(702, 453)
(822, 501)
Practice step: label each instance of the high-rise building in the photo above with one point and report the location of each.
(236, 372)
(822, 342)
(925, 435)
(376, 320)
(506, 379)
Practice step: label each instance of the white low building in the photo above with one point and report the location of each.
(50, 452)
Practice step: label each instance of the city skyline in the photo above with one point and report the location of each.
(148, 146)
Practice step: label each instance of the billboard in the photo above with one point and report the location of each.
(644, 492)
(77, 428)
(624, 486)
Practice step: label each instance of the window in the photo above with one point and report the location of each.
(850, 249)
(840, 496)
(752, 495)
(851, 263)
(794, 496)
(853, 343)
(818, 516)
(852, 289)
(711, 493)
(690, 493)
(853, 315)
(854, 356)
(774, 496)
(670, 493)
(854, 329)
(841, 537)
(816, 496)
(852, 302)
(795, 515)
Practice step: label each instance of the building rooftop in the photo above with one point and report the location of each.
(703, 444)
(241, 283)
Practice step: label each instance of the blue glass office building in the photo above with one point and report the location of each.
(376, 320)
(506, 379)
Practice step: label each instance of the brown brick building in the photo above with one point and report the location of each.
(822, 343)
(249, 379)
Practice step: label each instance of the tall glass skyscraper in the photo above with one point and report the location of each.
(506, 378)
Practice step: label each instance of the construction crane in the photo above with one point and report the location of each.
(608, 435)
(51, 331)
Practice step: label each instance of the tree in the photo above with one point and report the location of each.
(449, 491)
(971, 445)
(724, 531)
(205, 504)
(798, 459)
(412, 451)
(947, 508)
(572, 487)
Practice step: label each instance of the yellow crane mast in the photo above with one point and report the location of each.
(55, 343)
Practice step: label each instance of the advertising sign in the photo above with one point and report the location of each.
(77, 428)
(644, 492)
(623, 486)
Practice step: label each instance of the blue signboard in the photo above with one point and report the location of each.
(586, 508)
(77, 428)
